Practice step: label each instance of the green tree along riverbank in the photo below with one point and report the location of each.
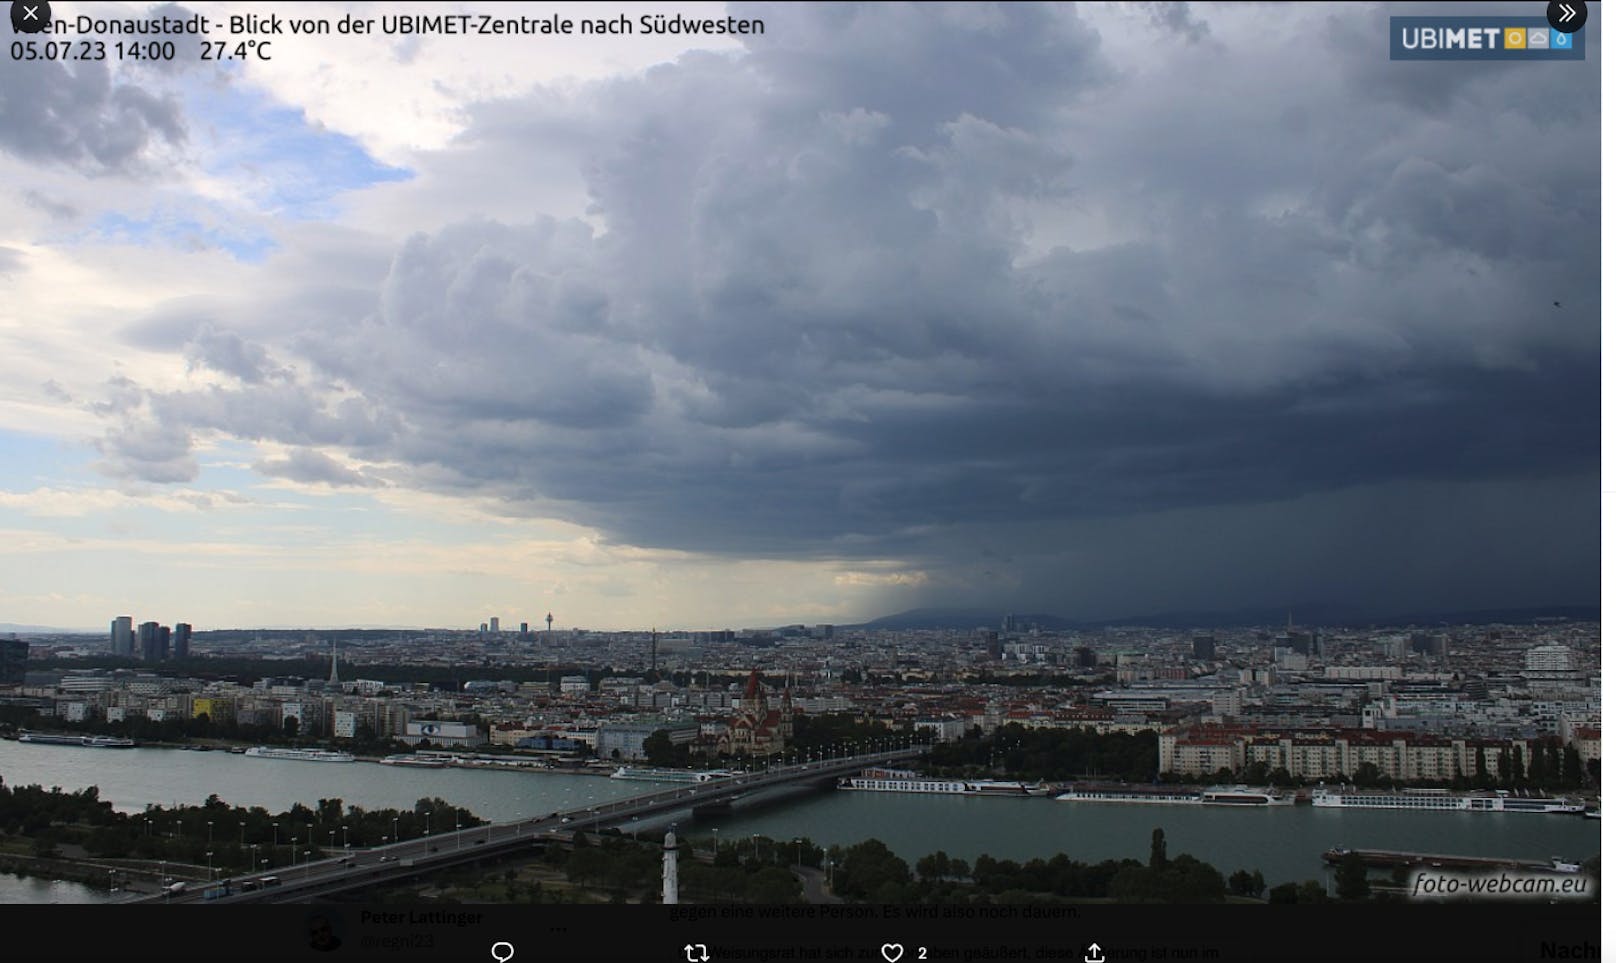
(77, 836)
(870, 872)
(1017, 752)
(50, 824)
(614, 868)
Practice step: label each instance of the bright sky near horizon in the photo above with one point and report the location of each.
(1100, 310)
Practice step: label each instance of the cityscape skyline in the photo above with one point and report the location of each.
(1091, 336)
(945, 618)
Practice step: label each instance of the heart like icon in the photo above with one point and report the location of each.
(891, 952)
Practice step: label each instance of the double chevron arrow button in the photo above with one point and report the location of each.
(1567, 16)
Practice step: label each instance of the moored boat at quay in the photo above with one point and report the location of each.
(304, 755)
(1392, 858)
(1150, 795)
(1443, 800)
(410, 759)
(1246, 796)
(652, 774)
(997, 787)
(908, 780)
(1179, 795)
(108, 742)
(899, 780)
(95, 742)
(685, 776)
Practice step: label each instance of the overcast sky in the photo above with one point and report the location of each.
(1100, 310)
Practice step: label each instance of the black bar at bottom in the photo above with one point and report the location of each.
(429, 933)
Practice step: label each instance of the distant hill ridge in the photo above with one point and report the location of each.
(1332, 615)
(962, 619)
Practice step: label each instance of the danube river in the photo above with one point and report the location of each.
(1283, 842)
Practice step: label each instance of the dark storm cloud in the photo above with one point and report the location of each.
(898, 274)
(1396, 548)
(1176, 18)
(77, 115)
(229, 353)
(148, 451)
(74, 112)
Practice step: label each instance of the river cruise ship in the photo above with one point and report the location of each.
(1153, 795)
(652, 774)
(908, 780)
(410, 759)
(95, 742)
(1442, 800)
(1184, 795)
(305, 755)
(1246, 796)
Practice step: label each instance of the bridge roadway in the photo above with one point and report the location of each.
(362, 868)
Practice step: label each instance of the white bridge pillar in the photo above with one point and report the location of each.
(670, 868)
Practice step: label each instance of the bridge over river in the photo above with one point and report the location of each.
(379, 865)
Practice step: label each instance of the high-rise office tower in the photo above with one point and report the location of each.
(182, 640)
(13, 661)
(123, 635)
(148, 639)
(493, 624)
(164, 635)
(1205, 647)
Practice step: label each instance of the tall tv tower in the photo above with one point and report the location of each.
(548, 618)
